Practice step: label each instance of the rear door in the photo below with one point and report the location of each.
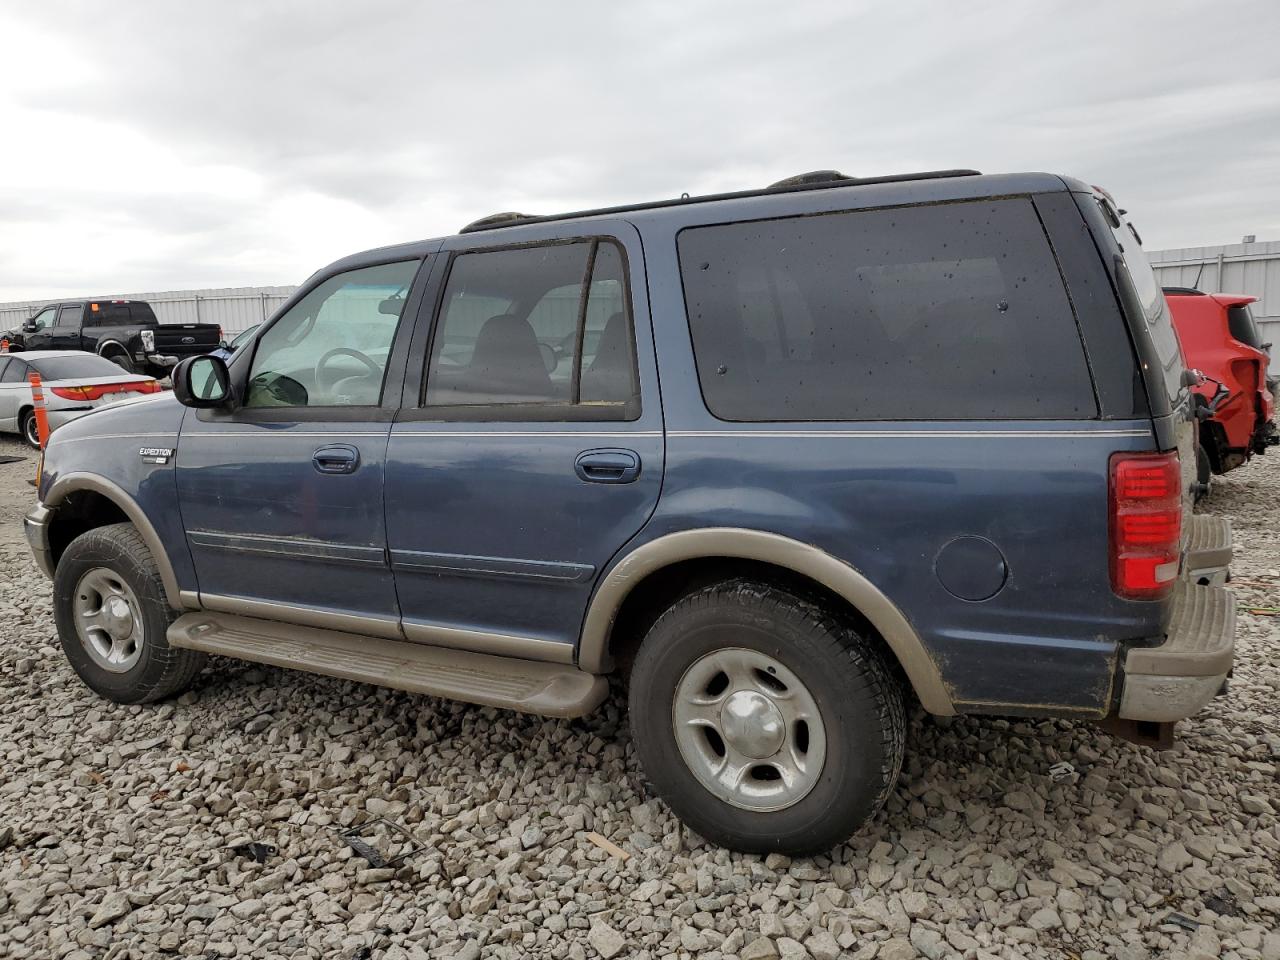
(530, 448)
(65, 333)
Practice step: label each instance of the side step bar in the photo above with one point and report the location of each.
(547, 689)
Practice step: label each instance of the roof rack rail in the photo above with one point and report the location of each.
(1184, 291)
(497, 220)
(816, 180)
(813, 176)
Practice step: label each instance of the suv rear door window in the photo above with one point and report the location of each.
(545, 326)
(942, 312)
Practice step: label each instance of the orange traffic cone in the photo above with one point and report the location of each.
(4, 344)
(42, 418)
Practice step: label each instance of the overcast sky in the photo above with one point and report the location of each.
(150, 146)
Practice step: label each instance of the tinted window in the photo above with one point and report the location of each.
(15, 372)
(72, 368)
(546, 325)
(1155, 308)
(70, 316)
(331, 347)
(943, 312)
(1241, 324)
(104, 314)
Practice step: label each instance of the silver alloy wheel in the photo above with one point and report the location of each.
(749, 730)
(108, 620)
(33, 431)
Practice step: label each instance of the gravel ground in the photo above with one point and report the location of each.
(117, 823)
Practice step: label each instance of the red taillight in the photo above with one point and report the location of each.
(99, 390)
(1146, 523)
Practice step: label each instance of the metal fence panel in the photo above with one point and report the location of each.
(233, 308)
(1251, 268)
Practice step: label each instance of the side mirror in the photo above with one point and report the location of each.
(202, 382)
(29, 326)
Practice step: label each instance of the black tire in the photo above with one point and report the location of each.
(857, 697)
(27, 427)
(161, 670)
(1204, 472)
(123, 361)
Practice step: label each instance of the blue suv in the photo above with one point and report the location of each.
(785, 460)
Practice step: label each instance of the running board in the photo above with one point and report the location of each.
(547, 689)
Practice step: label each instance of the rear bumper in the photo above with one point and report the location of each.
(36, 526)
(1209, 549)
(1176, 679)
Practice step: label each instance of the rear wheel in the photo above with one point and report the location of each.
(764, 721)
(122, 361)
(110, 609)
(1204, 472)
(29, 428)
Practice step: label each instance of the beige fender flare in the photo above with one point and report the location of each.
(75, 482)
(801, 558)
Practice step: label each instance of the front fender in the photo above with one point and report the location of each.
(70, 483)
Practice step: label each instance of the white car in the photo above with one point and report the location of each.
(74, 383)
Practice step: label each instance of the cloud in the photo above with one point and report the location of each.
(158, 146)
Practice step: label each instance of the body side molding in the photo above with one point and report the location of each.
(801, 558)
(74, 482)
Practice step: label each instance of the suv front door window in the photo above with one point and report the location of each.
(331, 348)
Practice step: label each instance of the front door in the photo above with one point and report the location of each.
(530, 448)
(41, 337)
(281, 497)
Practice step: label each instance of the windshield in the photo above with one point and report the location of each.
(72, 368)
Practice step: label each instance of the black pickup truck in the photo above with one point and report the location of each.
(126, 332)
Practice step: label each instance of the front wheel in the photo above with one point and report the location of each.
(110, 609)
(766, 722)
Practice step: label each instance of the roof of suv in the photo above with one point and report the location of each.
(924, 187)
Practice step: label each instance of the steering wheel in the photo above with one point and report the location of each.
(324, 386)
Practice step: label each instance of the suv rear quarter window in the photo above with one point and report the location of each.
(941, 312)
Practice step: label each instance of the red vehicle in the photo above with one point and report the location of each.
(1221, 340)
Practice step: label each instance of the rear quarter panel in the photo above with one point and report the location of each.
(886, 498)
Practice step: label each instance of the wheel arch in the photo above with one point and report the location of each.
(109, 346)
(802, 560)
(83, 501)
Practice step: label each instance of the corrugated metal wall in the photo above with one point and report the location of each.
(1252, 268)
(234, 308)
